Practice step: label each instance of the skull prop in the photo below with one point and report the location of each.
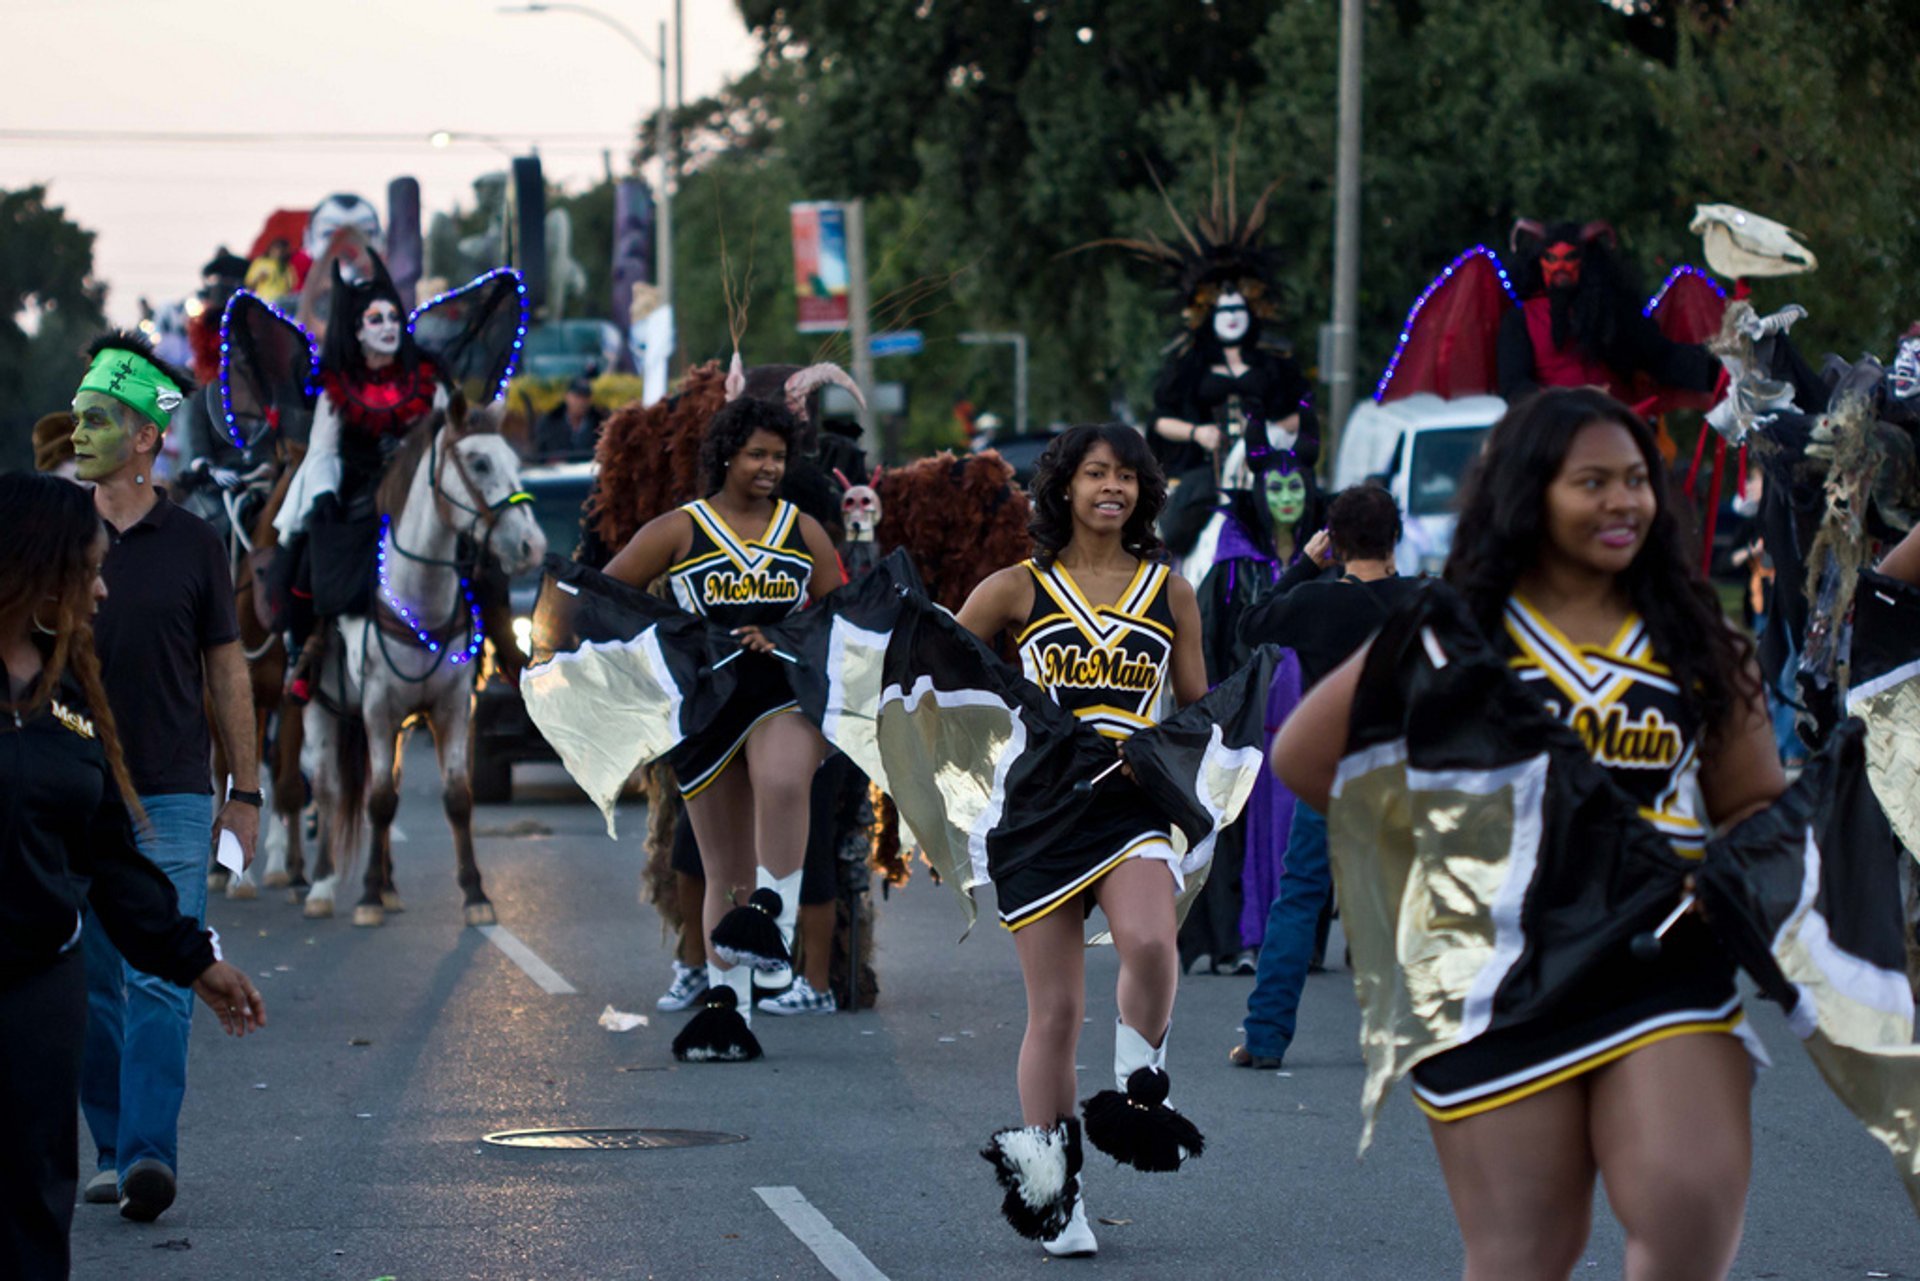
(859, 508)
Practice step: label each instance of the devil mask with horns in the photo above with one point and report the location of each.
(1580, 321)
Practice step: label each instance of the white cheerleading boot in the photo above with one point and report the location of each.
(1076, 1240)
(788, 888)
(1132, 1122)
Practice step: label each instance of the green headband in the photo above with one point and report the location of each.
(135, 382)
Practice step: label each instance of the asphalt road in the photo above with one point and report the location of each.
(345, 1140)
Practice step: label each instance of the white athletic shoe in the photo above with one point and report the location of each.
(689, 985)
(799, 999)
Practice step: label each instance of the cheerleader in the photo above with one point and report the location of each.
(1569, 554)
(742, 557)
(1114, 636)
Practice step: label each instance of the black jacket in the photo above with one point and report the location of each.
(65, 835)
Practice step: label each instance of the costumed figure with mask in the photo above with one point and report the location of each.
(375, 386)
(1580, 321)
(1229, 390)
(1251, 547)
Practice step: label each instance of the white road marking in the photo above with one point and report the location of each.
(529, 962)
(837, 1254)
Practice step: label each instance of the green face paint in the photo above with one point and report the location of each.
(102, 445)
(1286, 497)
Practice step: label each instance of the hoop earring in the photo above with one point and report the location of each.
(39, 626)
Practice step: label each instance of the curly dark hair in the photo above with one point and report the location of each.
(1051, 525)
(1502, 525)
(731, 428)
(1363, 522)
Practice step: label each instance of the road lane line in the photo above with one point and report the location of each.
(529, 962)
(837, 1254)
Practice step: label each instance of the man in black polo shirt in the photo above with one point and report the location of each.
(1323, 621)
(166, 636)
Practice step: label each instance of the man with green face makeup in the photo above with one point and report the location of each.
(166, 637)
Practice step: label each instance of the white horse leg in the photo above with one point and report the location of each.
(383, 801)
(273, 836)
(453, 740)
(317, 758)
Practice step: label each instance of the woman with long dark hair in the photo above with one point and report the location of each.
(376, 385)
(1570, 555)
(748, 777)
(1112, 635)
(67, 809)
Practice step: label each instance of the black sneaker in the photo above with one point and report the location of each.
(147, 1191)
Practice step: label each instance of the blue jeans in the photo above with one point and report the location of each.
(1306, 882)
(134, 1073)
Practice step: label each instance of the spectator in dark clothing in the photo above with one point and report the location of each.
(67, 812)
(169, 650)
(1323, 620)
(571, 428)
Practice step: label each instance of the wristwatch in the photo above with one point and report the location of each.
(246, 798)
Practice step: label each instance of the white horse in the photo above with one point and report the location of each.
(416, 655)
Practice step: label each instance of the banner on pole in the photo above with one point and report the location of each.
(820, 266)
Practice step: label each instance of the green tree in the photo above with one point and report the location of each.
(1010, 128)
(50, 309)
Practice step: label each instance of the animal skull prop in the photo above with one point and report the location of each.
(859, 508)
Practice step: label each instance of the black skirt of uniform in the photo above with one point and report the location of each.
(1045, 877)
(1621, 1007)
(760, 691)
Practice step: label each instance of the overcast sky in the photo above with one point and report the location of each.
(411, 67)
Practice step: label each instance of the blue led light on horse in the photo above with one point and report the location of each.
(520, 329)
(226, 357)
(407, 616)
(1673, 278)
(1446, 274)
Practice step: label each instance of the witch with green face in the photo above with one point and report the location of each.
(1246, 546)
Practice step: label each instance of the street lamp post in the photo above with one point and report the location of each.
(663, 241)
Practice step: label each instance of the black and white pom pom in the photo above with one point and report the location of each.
(1138, 1128)
(750, 935)
(717, 1034)
(1039, 1166)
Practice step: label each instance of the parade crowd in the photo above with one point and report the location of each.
(1171, 680)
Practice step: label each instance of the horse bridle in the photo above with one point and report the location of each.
(483, 517)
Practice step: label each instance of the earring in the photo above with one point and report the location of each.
(39, 626)
(138, 479)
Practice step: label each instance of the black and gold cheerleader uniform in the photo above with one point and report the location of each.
(734, 582)
(1107, 664)
(1625, 705)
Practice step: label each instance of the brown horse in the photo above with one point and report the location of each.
(277, 738)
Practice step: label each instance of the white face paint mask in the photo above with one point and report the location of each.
(380, 329)
(1904, 377)
(1231, 319)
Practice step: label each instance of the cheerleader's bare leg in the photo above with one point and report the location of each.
(1137, 900)
(783, 752)
(1053, 963)
(1673, 1136)
(1521, 1181)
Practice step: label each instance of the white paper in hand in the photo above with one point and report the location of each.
(229, 854)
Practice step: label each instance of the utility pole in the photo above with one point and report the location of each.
(1346, 229)
(664, 238)
(858, 329)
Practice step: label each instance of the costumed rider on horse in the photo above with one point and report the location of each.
(375, 386)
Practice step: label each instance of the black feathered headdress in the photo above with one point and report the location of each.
(1217, 251)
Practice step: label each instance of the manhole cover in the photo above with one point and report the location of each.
(615, 1140)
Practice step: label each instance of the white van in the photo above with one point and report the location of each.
(1420, 446)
